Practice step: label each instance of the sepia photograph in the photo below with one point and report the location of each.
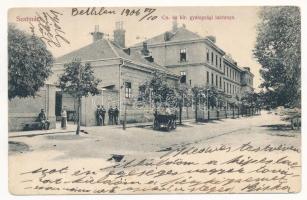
(154, 100)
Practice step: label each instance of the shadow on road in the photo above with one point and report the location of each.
(64, 137)
(18, 147)
(278, 127)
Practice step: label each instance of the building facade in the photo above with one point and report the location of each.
(199, 59)
(184, 56)
(121, 72)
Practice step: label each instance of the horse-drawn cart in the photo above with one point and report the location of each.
(164, 121)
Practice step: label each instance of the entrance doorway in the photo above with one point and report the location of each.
(58, 105)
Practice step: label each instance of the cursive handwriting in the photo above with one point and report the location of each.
(211, 169)
(140, 13)
(49, 28)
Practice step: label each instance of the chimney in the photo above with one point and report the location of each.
(175, 26)
(146, 53)
(145, 50)
(96, 34)
(119, 34)
(168, 35)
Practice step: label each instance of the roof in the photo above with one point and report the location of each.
(94, 51)
(105, 49)
(181, 34)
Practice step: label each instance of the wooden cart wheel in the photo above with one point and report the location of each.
(156, 125)
(169, 127)
(174, 124)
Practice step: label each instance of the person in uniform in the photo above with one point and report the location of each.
(43, 120)
(102, 114)
(110, 113)
(116, 112)
(98, 117)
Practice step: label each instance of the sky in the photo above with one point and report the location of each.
(235, 34)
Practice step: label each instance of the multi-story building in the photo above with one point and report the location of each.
(121, 72)
(199, 59)
(184, 56)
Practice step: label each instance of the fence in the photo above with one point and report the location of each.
(216, 114)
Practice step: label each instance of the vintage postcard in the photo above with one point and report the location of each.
(154, 100)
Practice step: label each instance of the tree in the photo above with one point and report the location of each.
(251, 100)
(199, 96)
(278, 50)
(158, 91)
(182, 94)
(29, 63)
(214, 96)
(78, 80)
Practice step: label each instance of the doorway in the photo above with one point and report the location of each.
(58, 105)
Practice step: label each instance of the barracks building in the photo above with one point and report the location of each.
(177, 53)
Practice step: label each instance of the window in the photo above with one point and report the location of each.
(212, 57)
(220, 63)
(227, 72)
(183, 55)
(183, 77)
(216, 60)
(216, 80)
(208, 55)
(208, 77)
(224, 68)
(227, 88)
(224, 87)
(212, 78)
(128, 89)
(220, 82)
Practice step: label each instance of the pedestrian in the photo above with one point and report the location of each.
(116, 112)
(110, 113)
(63, 118)
(43, 120)
(98, 117)
(102, 114)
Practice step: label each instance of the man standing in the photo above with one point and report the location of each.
(110, 113)
(102, 114)
(43, 120)
(98, 116)
(64, 118)
(116, 112)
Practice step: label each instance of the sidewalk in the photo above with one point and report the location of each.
(72, 128)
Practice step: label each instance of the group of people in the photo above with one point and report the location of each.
(100, 117)
(44, 122)
(112, 113)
